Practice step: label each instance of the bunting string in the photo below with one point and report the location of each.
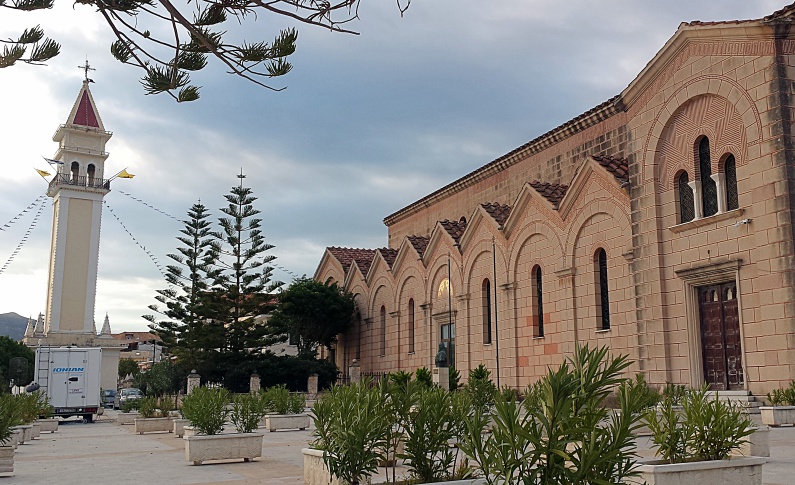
(33, 204)
(147, 204)
(143, 248)
(25, 237)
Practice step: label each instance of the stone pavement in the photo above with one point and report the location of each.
(107, 453)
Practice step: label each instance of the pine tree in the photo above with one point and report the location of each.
(242, 287)
(188, 333)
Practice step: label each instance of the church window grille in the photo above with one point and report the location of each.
(486, 287)
(730, 173)
(686, 202)
(709, 190)
(603, 307)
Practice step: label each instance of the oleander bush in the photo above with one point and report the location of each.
(783, 396)
(9, 417)
(147, 407)
(246, 412)
(206, 409)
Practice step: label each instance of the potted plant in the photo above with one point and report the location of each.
(782, 407)
(8, 419)
(27, 410)
(206, 410)
(129, 411)
(152, 418)
(45, 421)
(286, 410)
(695, 445)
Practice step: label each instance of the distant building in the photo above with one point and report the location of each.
(658, 223)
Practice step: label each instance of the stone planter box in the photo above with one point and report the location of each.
(6, 461)
(201, 448)
(16, 434)
(189, 431)
(276, 422)
(737, 471)
(179, 427)
(153, 425)
(315, 470)
(26, 431)
(127, 418)
(777, 415)
(758, 444)
(35, 430)
(48, 425)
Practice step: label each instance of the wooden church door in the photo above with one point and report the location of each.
(720, 336)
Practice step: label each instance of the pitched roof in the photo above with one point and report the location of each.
(454, 228)
(552, 192)
(85, 115)
(389, 255)
(347, 256)
(419, 243)
(499, 212)
(619, 167)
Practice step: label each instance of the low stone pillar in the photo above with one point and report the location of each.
(254, 383)
(194, 381)
(441, 377)
(355, 372)
(311, 387)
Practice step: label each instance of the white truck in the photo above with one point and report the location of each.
(70, 376)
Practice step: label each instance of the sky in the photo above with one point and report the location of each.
(367, 124)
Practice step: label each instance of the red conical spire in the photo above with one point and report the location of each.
(85, 115)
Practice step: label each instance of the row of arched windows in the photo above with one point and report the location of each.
(91, 170)
(710, 193)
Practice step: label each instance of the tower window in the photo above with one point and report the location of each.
(730, 173)
(75, 168)
(685, 197)
(709, 190)
(486, 290)
(538, 292)
(603, 302)
(91, 170)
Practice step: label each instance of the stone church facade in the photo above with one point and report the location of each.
(658, 223)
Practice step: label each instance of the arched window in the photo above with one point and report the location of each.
(90, 170)
(486, 287)
(75, 167)
(538, 300)
(730, 174)
(603, 302)
(383, 330)
(686, 202)
(709, 190)
(411, 325)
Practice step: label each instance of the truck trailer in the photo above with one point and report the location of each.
(70, 377)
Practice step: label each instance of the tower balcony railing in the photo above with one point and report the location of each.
(79, 181)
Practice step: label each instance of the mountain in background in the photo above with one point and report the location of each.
(13, 325)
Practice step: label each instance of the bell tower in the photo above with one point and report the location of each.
(77, 191)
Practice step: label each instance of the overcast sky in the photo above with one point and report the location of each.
(367, 125)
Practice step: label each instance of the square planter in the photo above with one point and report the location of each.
(26, 431)
(276, 422)
(6, 461)
(48, 425)
(179, 427)
(153, 425)
(315, 470)
(201, 448)
(737, 471)
(16, 434)
(35, 430)
(777, 415)
(127, 418)
(190, 431)
(758, 444)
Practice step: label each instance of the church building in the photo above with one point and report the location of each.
(658, 223)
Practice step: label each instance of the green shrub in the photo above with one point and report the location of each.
(27, 407)
(167, 403)
(147, 407)
(296, 403)
(277, 400)
(709, 429)
(675, 392)
(427, 452)
(783, 396)
(129, 405)
(205, 409)
(454, 380)
(481, 389)
(9, 417)
(424, 377)
(246, 412)
(350, 429)
(45, 410)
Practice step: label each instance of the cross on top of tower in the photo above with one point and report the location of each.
(87, 67)
(241, 176)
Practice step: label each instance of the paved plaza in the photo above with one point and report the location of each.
(107, 453)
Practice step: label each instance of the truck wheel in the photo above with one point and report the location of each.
(88, 418)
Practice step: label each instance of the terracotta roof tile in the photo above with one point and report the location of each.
(454, 228)
(499, 212)
(419, 243)
(389, 255)
(619, 167)
(552, 192)
(347, 256)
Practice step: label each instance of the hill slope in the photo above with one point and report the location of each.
(13, 325)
